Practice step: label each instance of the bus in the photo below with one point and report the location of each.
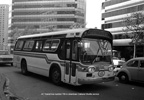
(75, 56)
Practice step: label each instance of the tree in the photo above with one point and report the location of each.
(134, 27)
(15, 33)
(51, 28)
(29, 30)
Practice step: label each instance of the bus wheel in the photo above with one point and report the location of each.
(123, 77)
(56, 76)
(24, 67)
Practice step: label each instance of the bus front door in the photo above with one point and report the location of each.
(70, 66)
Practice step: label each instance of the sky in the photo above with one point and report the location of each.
(93, 12)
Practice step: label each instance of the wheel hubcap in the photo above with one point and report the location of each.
(123, 77)
(23, 69)
(56, 76)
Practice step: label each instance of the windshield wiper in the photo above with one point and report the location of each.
(95, 59)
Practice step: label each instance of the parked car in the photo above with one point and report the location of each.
(132, 70)
(6, 57)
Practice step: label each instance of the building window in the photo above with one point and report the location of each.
(105, 26)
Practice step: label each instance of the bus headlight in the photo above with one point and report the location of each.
(91, 69)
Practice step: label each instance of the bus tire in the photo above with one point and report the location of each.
(123, 78)
(24, 67)
(55, 75)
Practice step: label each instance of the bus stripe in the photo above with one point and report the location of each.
(44, 56)
(36, 55)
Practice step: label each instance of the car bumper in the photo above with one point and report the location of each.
(116, 69)
(97, 80)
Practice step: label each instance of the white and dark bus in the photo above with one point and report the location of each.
(75, 56)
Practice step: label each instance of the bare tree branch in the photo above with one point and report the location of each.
(133, 25)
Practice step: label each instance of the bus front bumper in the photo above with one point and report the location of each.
(98, 80)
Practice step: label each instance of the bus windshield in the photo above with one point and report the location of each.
(95, 50)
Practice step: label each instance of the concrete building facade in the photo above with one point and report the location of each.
(47, 15)
(4, 13)
(113, 12)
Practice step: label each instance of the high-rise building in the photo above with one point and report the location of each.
(4, 12)
(41, 16)
(44, 15)
(114, 11)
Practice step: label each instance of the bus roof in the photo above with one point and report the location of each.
(88, 33)
(81, 30)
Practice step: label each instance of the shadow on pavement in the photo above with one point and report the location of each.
(5, 65)
(132, 83)
(136, 84)
(82, 88)
(86, 88)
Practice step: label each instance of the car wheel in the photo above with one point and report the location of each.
(24, 67)
(56, 76)
(123, 77)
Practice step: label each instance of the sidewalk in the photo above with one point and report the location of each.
(6, 90)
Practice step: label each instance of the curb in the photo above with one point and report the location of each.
(2, 82)
(6, 91)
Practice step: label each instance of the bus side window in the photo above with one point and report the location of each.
(28, 45)
(51, 45)
(68, 50)
(74, 50)
(62, 51)
(47, 46)
(65, 50)
(38, 46)
(19, 45)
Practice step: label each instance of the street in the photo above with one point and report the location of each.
(36, 87)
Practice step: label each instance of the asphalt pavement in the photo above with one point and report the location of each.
(37, 87)
(7, 91)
